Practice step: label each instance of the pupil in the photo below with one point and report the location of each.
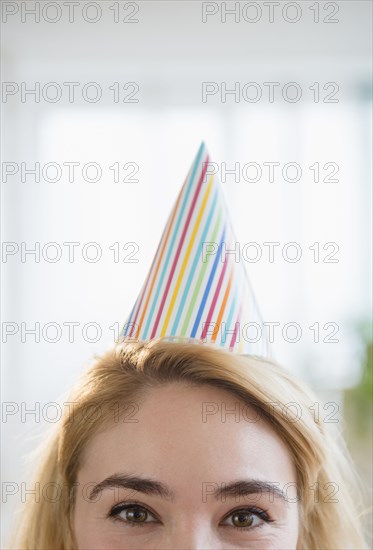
(243, 519)
(135, 514)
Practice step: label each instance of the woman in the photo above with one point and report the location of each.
(180, 444)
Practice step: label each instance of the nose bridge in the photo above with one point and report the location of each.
(192, 532)
(191, 539)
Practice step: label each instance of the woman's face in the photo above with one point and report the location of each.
(196, 470)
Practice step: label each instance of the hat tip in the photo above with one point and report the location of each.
(202, 148)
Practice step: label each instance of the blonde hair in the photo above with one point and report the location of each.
(129, 369)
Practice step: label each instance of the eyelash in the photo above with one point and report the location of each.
(262, 514)
(259, 512)
(121, 507)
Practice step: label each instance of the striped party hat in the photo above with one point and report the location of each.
(197, 286)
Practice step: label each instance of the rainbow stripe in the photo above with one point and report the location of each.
(196, 287)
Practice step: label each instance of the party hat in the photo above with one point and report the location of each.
(197, 286)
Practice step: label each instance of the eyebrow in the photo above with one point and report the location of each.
(126, 481)
(246, 487)
(148, 486)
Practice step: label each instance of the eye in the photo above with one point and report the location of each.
(133, 514)
(247, 518)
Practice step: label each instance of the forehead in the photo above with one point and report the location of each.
(188, 435)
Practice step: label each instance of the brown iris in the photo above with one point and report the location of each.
(242, 519)
(136, 514)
